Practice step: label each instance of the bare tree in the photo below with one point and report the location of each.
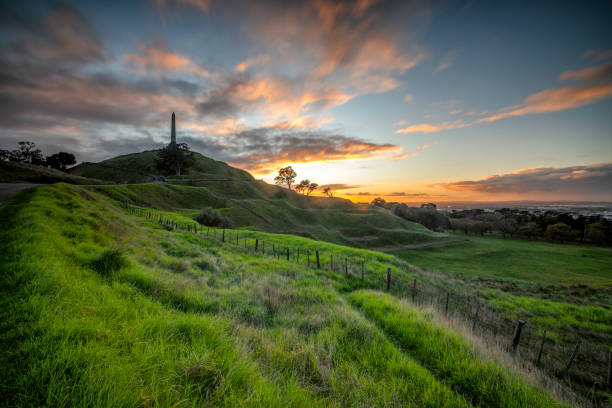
(328, 192)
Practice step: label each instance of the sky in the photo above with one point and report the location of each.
(410, 101)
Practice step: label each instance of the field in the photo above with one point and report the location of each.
(494, 257)
(102, 307)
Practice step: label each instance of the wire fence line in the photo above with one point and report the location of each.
(587, 367)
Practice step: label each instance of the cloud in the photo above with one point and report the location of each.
(264, 150)
(555, 100)
(589, 74)
(408, 98)
(278, 98)
(63, 38)
(598, 55)
(201, 5)
(339, 187)
(447, 61)
(399, 123)
(429, 128)
(584, 182)
(245, 65)
(159, 60)
(361, 193)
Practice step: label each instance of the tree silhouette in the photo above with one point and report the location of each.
(176, 157)
(286, 175)
(311, 187)
(60, 160)
(328, 192)
(27, 153)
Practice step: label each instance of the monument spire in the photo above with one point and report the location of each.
(173, 133)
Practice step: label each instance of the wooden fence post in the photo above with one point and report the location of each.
(318, 262)
(517, 334)
(346, 266)
(256, 244)
(263, 247)
(308, 258)
(541, 349)
(414, 289)
(388, 278)
(476, 316)
(571, 360)
(298, 256)
(287, 253)
(446, 305)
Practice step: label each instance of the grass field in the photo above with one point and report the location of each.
(101, 308)
(516, 259)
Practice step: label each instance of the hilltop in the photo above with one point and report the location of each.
(255, 203)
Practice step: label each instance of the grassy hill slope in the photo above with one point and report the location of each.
(274, 209)
(140, 168)
(254, 203)
(102, 308)
(13, 172)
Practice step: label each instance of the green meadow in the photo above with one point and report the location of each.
(494, 257)
(104, 308)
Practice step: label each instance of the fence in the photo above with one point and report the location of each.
(588, 367)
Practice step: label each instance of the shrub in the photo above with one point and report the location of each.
(109, 262)
(211, 218)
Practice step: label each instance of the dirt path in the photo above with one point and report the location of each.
(8, 189)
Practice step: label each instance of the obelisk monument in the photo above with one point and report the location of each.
(173, 134)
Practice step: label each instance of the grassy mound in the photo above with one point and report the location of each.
(176, 319)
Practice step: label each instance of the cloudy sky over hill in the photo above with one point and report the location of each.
(439, 101)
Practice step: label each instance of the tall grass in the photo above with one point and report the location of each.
(447, 355)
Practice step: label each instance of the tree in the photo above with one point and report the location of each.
(60, 160)
(559, 232)
(328, 192)
(479, 227)
(286, 175)
(302, 186)
(507, 226)
(5, 155)
(596, 232)
(460, 224)
(27, 153)
(312, 187)
(176, 157)
(378, 202)
(529, 230)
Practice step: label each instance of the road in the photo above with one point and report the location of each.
(8, 189)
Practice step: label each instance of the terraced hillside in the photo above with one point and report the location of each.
(100, 307)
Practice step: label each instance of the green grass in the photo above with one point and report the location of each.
(450, 358)
(100, 308)
(516, 259)
(274, 209)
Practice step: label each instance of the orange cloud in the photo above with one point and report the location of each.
(160, 60)
(589, 74)
(555, 100)
(428, 128)
(259, 60)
